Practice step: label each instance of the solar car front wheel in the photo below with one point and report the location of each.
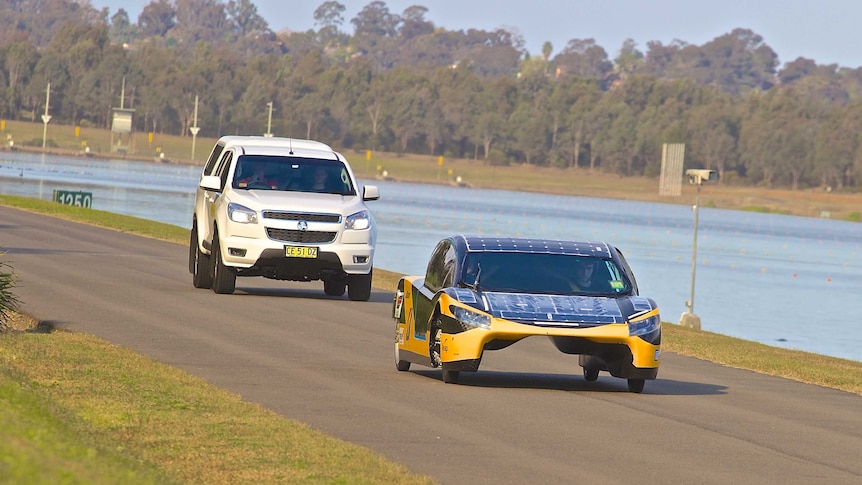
(401, 365)
(636, 385)
(591, 374)
(436, 334)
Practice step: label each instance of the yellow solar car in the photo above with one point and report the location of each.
(486, 293)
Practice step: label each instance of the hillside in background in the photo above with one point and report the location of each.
(400, 83)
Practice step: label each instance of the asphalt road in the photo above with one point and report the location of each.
(527, 417)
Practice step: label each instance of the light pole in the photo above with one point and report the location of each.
(46, 117)
(268, 133)
(194, 128)
(696, 178)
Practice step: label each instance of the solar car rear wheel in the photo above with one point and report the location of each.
(401, 365)
(636, 385)
(591, 374)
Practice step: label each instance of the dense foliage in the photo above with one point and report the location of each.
(400, 83)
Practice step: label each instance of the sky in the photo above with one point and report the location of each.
(826, 31)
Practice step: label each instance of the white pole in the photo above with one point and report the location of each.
(689, 319)
(194, 129)
(46, 117)
(269, 121)
(694, 249)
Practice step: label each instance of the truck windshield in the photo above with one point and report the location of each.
(264, 172)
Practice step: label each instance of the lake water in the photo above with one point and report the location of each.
(781, 280)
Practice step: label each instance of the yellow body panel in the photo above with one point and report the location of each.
(405, 335)
(470, 344)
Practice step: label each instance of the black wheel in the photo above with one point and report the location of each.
(591, 374)
(359, 286)
(333, 286)
(450, 376)
(435, 335)
(636, 385)
(199, 263)
(401, 365)
(193, 244)
(223, 278)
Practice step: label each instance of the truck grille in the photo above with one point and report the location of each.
(295, 236)
(301, 216)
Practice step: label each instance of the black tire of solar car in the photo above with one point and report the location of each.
(401, 365)
(434, 341)
(199, 263)
(591, 374)
(359, 286)
(636, 385)
(224, 280)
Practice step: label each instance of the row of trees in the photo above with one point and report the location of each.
(399, 83)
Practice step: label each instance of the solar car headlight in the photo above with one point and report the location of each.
(241, 214)
(359, 221)
(471, 318)
(645, 326)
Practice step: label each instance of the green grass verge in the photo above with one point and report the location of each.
(78, 409)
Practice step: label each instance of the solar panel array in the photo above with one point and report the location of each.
(544, 246)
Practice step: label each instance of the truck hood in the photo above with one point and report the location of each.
(264, 200)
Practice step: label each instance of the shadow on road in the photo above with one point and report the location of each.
(566, 382)
(312, 292)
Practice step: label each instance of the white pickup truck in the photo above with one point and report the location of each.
(283, 209)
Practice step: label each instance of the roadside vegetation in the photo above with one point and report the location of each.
(79, 409)
(8, 300)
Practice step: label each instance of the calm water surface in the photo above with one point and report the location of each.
(780, 280)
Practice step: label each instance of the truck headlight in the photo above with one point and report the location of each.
(359, 221)
(241, 214)
(645, 326)
(470, 318)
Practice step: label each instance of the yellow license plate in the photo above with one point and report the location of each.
(300, 252)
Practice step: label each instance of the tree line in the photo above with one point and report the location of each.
(400, 83)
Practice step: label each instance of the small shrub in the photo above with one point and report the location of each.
(37, 142)
(854, 217)
(8, 300)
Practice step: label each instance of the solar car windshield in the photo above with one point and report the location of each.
(543, 274)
